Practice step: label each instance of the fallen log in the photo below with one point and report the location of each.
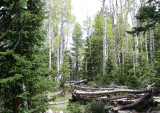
(131, 96)
(121, 87)
(88, 88)
(70, 82)
(118, 99)
(122, 101)
(80, 82)
(104, 93)
(138, 104)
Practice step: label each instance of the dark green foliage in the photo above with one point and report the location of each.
(148, 17)
(77, 46)
(30, 72)
(156, 77)
(94, 50)
(95, 107)
(109, 77)
(74, 107)
(23, 59)
(150, 11)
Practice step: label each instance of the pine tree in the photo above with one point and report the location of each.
(77, 45)
(23, 61)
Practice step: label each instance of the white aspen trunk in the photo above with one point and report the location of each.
(104, 39)
(146, 48)
(154, 51)
(112, 8)
(135, 55)
(64, 44)
(114, 44)
(58, 58)
(49, 41)
(126, 43)
(25, 102)
(141, 45)
(136, 49)
(61, 46)
(119, 59)
(49, 37)
(66, 48)
(136, 38)
(151, 46)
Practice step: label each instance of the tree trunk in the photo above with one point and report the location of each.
(77, 74)
(141, 45)
(104, 39)
(58, 58)
(61, 45)
(86, 70)
(136, 49)
(151, 46)
(49, 39)
(25, 102)
(146, 44)
(114, 43)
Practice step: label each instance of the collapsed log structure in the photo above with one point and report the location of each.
(121, 99)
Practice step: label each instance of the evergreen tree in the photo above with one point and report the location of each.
(77, 46)
(23, 61)
(93, 50)
(148, 18)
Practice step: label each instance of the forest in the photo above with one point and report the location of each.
(51, 63)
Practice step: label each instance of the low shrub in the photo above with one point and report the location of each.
(74, 107)
(95, 107)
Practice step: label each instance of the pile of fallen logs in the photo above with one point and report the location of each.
(120, 99)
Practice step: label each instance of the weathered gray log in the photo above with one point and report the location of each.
(119, 99)
(79, 82)
(126, 111)
(122, 101)
(133, 105)
(121, 87)
(131, 96)
(104, 93)
(70, 82)
(88, 88)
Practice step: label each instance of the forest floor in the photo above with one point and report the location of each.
(61, 102)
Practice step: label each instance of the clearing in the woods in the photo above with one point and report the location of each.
(60, 102)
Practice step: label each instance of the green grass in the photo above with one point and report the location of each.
(59, 98)
(60, 107)
(63, 98)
